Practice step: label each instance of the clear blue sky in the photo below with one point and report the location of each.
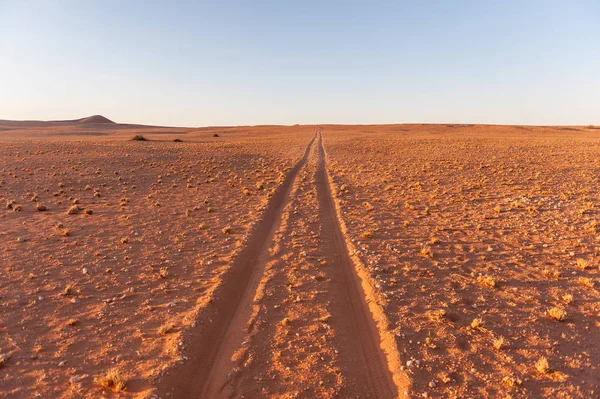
(197, 63)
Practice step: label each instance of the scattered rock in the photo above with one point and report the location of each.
(78, 378)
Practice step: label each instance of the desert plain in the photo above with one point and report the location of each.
(371, 261)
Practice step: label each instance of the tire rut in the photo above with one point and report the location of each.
(362, 357)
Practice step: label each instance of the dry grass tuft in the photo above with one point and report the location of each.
(113, 379)
(567, 298)
(499, 343)
(511, 381)
(226, 230)
(163, 272)
(139, 137)
(476, 324)
(486, 281)
(367, 234)
(557, 313)
(426, 251)
(551, 273)
(586, 282)
(542, 366)
(68, 290)
(582, 264)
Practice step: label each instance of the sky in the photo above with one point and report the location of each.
(200, 63)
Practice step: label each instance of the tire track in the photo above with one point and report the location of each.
(207, 372)
(368, 359)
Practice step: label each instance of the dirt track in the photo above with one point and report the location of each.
(211, 370)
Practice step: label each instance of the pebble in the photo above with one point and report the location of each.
(432, 384)
(62, 363)
(78, 378)
(21, 239)
(85, 270)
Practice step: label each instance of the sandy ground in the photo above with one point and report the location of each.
(342, 261)
(474, 233)
(82, 293)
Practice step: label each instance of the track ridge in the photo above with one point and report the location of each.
(376, 371)
(206, 374)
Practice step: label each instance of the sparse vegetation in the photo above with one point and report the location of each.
(499, 343)
(557, 314)
(426, 251)
(113, 379)
(586, 282)
(367, 234)
(542, 366)
(68, 290)
(139, 137)
(582, 264)
(163, 272)
(486, 281)
(476, 324)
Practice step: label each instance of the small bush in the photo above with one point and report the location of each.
(215, 135)
(499, 343)
(542, 365)
(586, 282)
(139, 137)
(486, 281)
(557, 313)
(178, 141)
(426, 251)
(476, 324)
(113, 379)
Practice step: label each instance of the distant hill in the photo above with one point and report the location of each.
(94, 119)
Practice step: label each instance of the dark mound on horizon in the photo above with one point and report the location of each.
(94, 119)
